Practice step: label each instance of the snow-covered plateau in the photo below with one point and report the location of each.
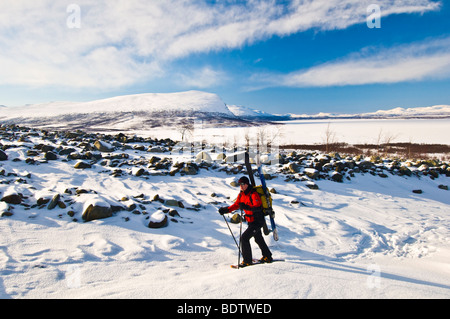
(379, 230)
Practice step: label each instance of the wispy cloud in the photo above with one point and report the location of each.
(122, 42)
(425, 60)
(201, 78)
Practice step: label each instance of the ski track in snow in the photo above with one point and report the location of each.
(331, 240)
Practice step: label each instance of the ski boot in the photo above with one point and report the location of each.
(266, 260)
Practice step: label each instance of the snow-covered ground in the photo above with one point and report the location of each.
(369, 237)
(351, 131)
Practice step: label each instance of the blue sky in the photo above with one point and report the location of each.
(298, 56)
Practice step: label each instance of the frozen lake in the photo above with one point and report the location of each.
(352, 131)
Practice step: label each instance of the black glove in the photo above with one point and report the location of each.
(244, 206)
(223, 210)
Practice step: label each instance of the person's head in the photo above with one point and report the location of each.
(244, 183)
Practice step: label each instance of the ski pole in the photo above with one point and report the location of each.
(234, 238)
(240, 237)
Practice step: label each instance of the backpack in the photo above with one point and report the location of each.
(266, 208)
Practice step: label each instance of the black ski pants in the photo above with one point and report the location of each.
(253, 230)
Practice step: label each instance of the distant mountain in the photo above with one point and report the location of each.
(130, 112)
(437, 111)
(173, 110)
(251, 114)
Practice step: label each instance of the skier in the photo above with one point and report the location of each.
(249, 201)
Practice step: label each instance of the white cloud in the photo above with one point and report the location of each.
(201, 78)
(414, 62)
(122, 42)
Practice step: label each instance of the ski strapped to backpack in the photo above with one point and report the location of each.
(248, 166)
(264, 194)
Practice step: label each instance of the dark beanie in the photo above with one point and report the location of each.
(244, 180)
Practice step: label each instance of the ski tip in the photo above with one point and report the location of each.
(275, 234)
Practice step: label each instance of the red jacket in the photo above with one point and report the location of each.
(252, 199)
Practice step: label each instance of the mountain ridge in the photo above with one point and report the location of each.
(181, 109)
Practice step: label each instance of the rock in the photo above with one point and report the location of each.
(312, 185)
(47, 148)
(157, 198)
(235, 219)
(335, 155)
(337, 177)
(158, 220)
(62, 205)
(96, 212)
(67, 151)
(403, 170)
(103, 146)
(131, 207)
(423, 167)
(3, 156)
(139, 172)
(190, 169)
(339, 166)
(156, 149)
(433, 173)
(365, 165)
(54, 201)
(174, 203)
(154, 159)
(323, 159)
(74, 156)
(417, 191)
(444, 187)
(174, 213)
(294, 168)
(14, 199)
(82, 165)
(50, 156)
(311, 173)
(32, 153)
(42, 201)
